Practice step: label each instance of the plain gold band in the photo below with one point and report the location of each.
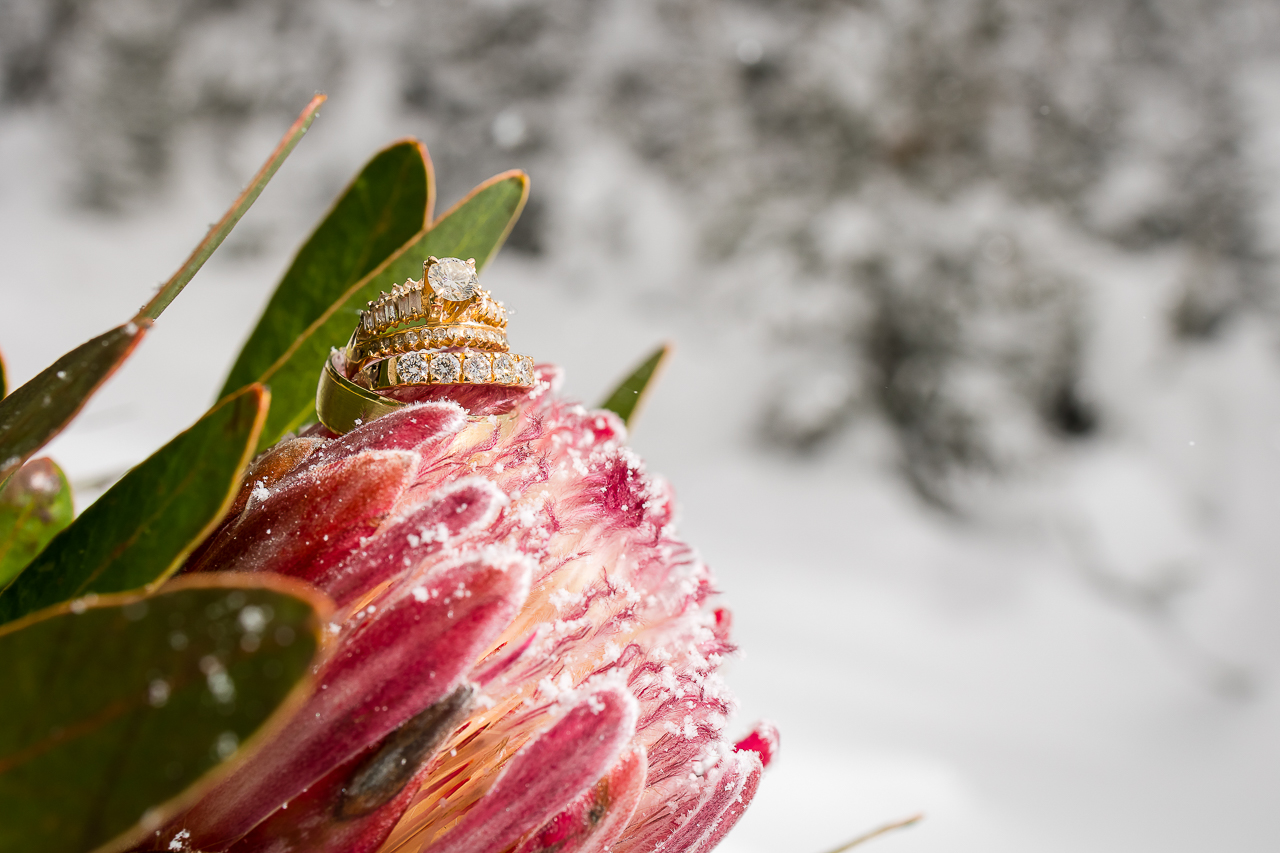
(343, 405)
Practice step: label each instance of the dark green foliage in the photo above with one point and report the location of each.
(627, 397)
(113, 707)
(40, 409)
(140, 531)
(387, 204)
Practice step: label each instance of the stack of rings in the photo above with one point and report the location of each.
(442, 330)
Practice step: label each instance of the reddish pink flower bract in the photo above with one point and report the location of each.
(526, 654)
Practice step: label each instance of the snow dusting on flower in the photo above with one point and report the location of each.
(527, 652)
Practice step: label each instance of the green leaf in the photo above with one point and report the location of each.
(386, 205)
(139, 532)
(627, 397)
(113, 707)
(40, 409)
(34, 505)
(220, 229)
(473, 228)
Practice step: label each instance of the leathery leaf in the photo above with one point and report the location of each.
(120, 709)
(139, 532)
(40, 409)
(387, 204)
(625, 400)
(34, 505)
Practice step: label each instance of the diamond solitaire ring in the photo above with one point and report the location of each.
(447, 308)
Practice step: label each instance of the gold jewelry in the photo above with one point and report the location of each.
(466, 367)
(343, 405)
(424, 338)
(463, 341)
(456, 311)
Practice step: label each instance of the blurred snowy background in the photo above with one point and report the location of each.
(976, 403)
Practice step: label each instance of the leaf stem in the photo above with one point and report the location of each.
(877, 832)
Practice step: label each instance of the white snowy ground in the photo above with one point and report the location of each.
(981, 673)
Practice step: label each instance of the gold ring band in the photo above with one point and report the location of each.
(454, 295)
(342, 405)
(465, 367)
(362, 352)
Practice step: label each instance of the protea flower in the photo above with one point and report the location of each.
(526, 655)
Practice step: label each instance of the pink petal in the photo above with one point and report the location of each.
(448, 514)
(596, 819)
(763, 741)
(354, 808)
(721, 796)
(316, 516)
(402, 656)
(730, 816)
(479, 400)
(547, 774)
(415, 428)
(272, 466)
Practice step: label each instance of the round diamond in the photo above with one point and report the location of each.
(412, 367)
(411, 338)
(452, 279)
(445, 368)
(504, 368)
(476, 368)
(526, 371)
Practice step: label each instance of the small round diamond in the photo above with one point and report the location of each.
(411, 338)
(476, 368)
(412, 367)
(526, 370)
(452, 279)
(504, 368)
(445, 368)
